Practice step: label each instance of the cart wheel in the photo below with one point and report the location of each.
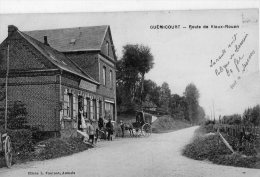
(8, 152)
(146, 129)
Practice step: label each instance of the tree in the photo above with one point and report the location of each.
(192, 98)
(152, 91)
(252, 116)
(139, 58)
(165, 95)
(178, 106)
(136, 61)
(201, 115)
(127, 81)
(232, 119)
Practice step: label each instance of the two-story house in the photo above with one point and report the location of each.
(58, 72)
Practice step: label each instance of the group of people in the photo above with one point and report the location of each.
(87, 126)
(105, 127)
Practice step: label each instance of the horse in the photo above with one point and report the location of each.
(129, 127)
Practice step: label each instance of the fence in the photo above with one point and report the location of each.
(241, 137)
(237, 130)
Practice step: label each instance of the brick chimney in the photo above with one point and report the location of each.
(11, 29)
(46, 41)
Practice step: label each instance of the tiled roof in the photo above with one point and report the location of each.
(58, 58)
(72, 39)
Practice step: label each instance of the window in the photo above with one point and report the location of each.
(93, 109)
(109, 110)
(97, 109)
(85, 108)
(68, 105)
(81, 103)
(111, 79)
(65, 104)
(107, 48)
(88, 108)
(104, 75)
(100, 108)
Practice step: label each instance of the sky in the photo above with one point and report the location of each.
(181, 55)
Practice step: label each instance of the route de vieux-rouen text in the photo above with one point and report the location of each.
(191, 27)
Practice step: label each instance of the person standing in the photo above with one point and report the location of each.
(80, 115)
(109, 127)
(100, 127)
(100, 123)
(90, 131)
(122, 126)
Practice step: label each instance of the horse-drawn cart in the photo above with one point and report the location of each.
(5, 148)
(142, 125)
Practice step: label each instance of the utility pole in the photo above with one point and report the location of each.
(6, 85)
(210, 113)
(213, 109)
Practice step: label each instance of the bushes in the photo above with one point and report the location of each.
(21, 140)
(22, 144)
(211, 147)
(206, 147)
(17, 115)
(58, 147)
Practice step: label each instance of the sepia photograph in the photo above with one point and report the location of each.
(160, 93)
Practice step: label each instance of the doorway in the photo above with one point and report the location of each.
(80, 111)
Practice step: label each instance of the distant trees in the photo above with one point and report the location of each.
(191, 94)
(201, 117)
(133, 89)
(178, 106)
(151, 91)
(165, 96)
(251, 116)
(232, 119)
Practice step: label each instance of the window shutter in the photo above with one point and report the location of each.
(75, 106)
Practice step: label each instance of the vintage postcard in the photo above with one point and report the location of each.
(146, 93)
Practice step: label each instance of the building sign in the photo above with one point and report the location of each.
(87, 85)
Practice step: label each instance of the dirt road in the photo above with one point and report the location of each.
(156, 156)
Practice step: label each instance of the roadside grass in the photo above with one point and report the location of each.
(209, 146)
(166, 124)
(49, 149)
(59, 147)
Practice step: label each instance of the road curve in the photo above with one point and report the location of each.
(156, 156)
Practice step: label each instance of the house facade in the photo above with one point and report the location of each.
(57, 73)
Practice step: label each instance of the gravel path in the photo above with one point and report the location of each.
(156, 156)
